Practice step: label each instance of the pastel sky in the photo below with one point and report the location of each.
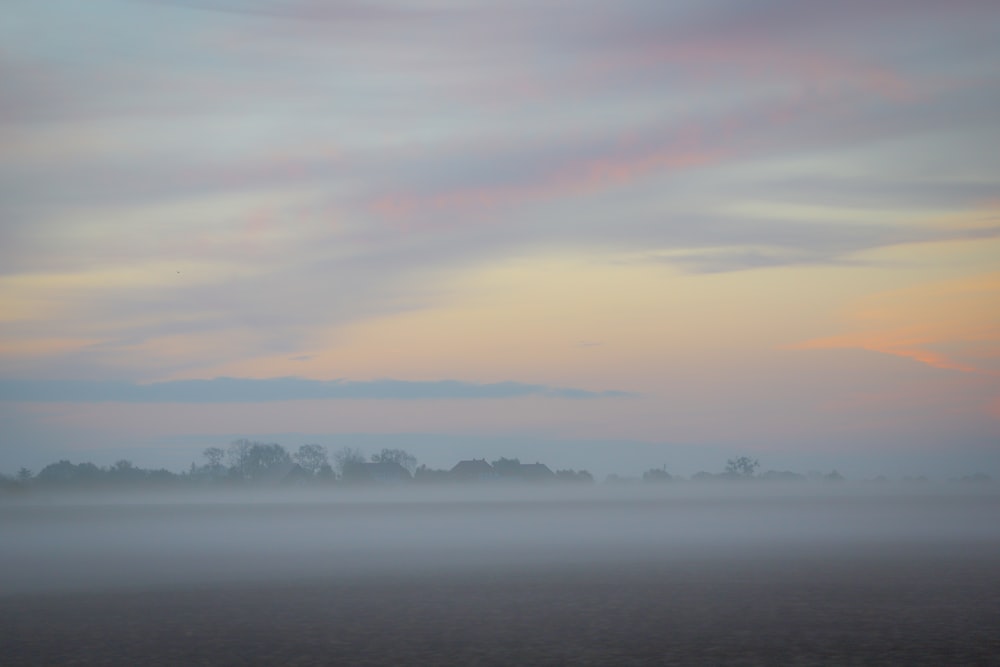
(560, 230)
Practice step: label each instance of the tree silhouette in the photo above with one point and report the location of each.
(345, 457)
(64, 472)
(312, 458)
(581, 476)
(400, 456)
(238, 454)
(505, 467)
(743, 466)
(214, 467)
(251, 460)
(263, 459)
(214, 456)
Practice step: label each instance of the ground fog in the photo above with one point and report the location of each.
(61, 545)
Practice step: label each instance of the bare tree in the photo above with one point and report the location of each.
(312, 458)
(238, 454)
(262, 458)
(400, 456)
(214, 456)
(345, 457)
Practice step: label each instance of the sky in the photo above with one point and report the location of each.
(598, 235)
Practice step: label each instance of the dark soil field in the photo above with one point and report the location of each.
(908, 599)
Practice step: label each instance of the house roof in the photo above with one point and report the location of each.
(535, 471)
(472, 469)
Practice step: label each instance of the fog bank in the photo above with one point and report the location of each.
(54, 544)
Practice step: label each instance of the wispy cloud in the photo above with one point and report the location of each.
(768, 244)
(244, 390)
(191, 188)
(962, 335)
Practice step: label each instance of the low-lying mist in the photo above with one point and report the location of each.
(58, 544)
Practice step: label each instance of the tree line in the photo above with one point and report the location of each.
(247, 463)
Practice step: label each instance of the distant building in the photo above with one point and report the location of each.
(383, 472)
(474, 470)
(536, 472)
(426, 475)
(656, 476)
(285, 474)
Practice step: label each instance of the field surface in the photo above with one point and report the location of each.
(650, 579)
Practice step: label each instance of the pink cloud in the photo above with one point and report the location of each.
(580, 177)
(711, 58)
(640, 153)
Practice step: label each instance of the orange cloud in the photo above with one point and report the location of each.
(959, 316)
(41, 347)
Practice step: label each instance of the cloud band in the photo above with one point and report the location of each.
(247, 390)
